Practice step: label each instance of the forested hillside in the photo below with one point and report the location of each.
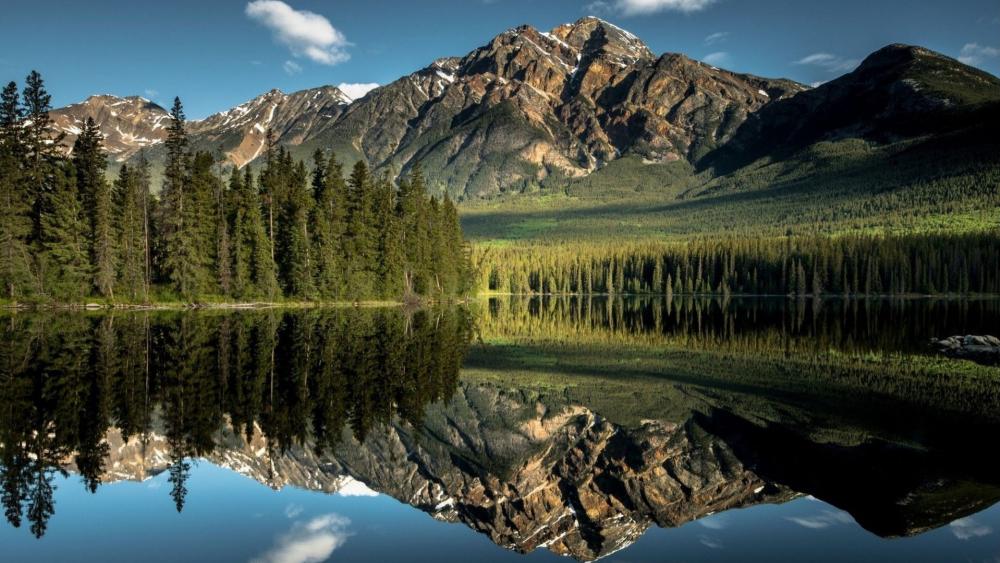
(216, 233)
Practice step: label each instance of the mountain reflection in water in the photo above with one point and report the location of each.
(330, 398)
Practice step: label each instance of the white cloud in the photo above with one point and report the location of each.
(709, 542)
(832, 63)
(824, 520)
(309, 542)
(293, 511)
(636, 7)
(642, 7)
(151, 93)
(305, 33)
(355, 91)
(976, 54)
(291, 67)
(716, 59)
(968, 528)
(717, 37)
(714, 522)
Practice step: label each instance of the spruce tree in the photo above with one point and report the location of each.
(65, 241)
(180, 260)
(389, 251)
(131, 234)
(15, 206)
(412, 212)
(40, 145)
(297, 252)
(90, 161)
(360, 244)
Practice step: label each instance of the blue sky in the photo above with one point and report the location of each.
(218, 53)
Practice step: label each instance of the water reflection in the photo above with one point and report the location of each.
(75, 383)
(371, 400)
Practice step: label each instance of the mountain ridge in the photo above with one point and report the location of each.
(532, 108)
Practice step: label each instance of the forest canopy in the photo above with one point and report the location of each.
(284, 231)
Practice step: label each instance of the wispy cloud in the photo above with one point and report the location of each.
(968, 528)
(709, 542)
(714, 522)
(355, 91)
(306, 34)
(643, 7)
(309, 542)
(824, 520)
(151, 93)
(293, 511)
(716, 59)
(828, 61)
(291, 67)
(717, 37)
(975, 54)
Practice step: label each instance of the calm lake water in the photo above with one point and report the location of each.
(514, 429)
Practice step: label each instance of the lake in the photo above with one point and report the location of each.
(621, 429)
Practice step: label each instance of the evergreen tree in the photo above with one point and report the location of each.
(90, 162)
(254, 272)
(15, 206)
(180, 255)
(131, 233)
(412, 212)
(360, 243)
(297, 252)
(389, 250)
(39, 145)
(64, 224)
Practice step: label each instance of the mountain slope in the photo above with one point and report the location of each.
(898, 92)
(529, 105)
(532, 109)
(128, 124)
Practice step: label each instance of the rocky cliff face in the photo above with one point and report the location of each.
(527, 475)
(530, 104)
(128, 124)
(898, 92)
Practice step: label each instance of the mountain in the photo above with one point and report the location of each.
(128, 124)
(898, 92)
(529, 105)
(535, 472)
(533, 108)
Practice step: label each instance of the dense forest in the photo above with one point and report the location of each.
(790, 265)
(301, 378)
(287, 231)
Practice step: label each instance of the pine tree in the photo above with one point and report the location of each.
(241, 249)
(39, 145)
(412, 212)
(360, 234)
(252, 245)
(329, 190)
(65, 241)
(180, 260)
(90, 161)
(128, 206)
(389, 252)
(297, 253)
(15, 206)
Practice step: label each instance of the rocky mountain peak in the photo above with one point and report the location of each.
(592, 36)
(128, 124)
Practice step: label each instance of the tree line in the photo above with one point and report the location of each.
(286, 231)
(792, 265)
(201, 381)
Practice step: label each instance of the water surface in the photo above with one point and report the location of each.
(516, 429)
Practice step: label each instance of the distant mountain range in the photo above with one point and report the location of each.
(530, 108)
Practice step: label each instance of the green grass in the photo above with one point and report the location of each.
(946, 185)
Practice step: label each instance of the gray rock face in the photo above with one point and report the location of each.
(980, 349)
